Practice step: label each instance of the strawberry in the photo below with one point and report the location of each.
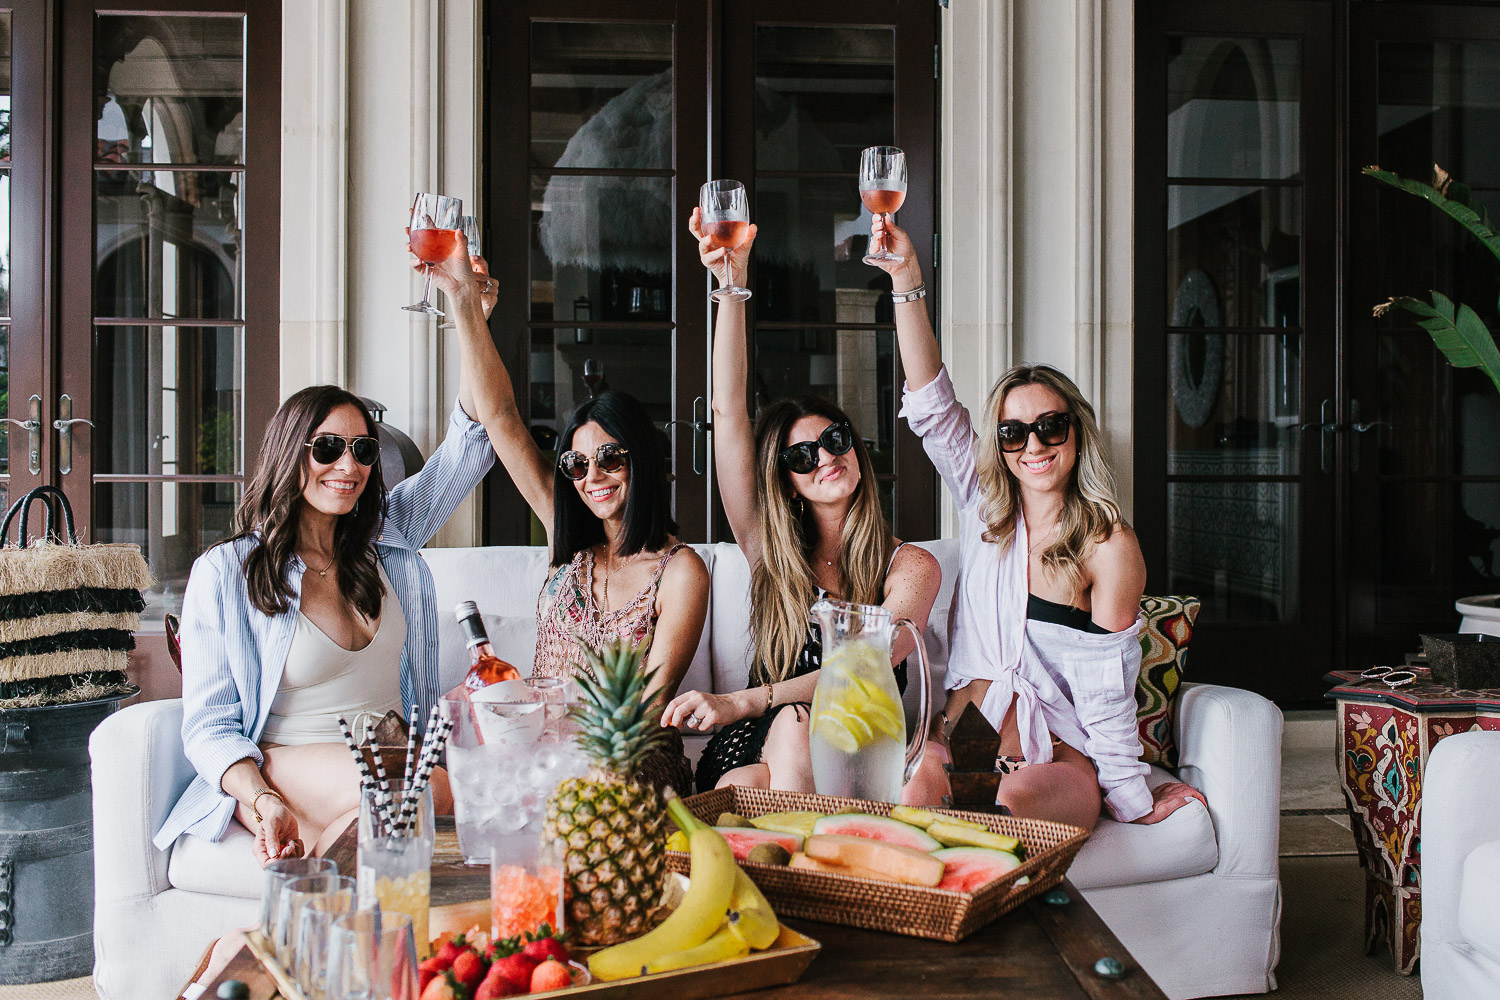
(428, 970)
(542, 949)
(495, 985)
(441, 988)
(516, 969)
(469, 969)
(450, 950)
(550, 975)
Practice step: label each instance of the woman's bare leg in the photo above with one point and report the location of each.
(1066, 790)
(788, 751)
(749, 776)
(929, 783)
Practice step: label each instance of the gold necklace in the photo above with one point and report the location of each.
(324, 571)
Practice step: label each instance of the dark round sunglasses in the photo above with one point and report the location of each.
(328, 448)
(610, 457)
(802, 458)
(1049, 428)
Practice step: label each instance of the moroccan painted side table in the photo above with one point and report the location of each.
(1385, 736)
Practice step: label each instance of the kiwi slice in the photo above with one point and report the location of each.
(770, 854)
(733, 819)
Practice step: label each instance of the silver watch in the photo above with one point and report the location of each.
(920, 292)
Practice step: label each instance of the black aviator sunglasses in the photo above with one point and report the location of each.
(329, 448)
(1049, 428)
(802, 458)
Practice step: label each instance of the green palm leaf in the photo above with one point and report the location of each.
(1452, 199)
(1456, 330)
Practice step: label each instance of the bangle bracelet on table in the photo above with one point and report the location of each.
(1398, 678)
(255, 801)
(920, 292)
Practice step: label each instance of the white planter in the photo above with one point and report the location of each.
(1480, 614)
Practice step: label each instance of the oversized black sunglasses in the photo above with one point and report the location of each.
(610, 457)
(802, 458)
(1049, 428)
(328, 448)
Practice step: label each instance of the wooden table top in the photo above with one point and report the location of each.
(1422, 695)
(1039, 951)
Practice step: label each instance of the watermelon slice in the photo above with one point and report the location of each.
(743, 838)
(891, 831)
(968, 869)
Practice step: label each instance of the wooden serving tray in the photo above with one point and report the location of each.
(895, 907)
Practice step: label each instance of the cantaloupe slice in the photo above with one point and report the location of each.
(805, 863)
(894, 862)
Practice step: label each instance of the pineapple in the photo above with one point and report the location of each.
(612, 825)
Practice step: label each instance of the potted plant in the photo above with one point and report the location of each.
(1455, 328)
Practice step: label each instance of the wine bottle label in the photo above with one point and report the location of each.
(474, 633)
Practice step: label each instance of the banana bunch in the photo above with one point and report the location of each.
(722, 915)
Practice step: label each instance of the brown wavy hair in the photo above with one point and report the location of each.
(272, 506)
(782, 584)
(1090, 511)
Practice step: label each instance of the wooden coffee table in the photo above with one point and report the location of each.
(1040, 950)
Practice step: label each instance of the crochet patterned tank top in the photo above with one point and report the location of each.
(566, 613)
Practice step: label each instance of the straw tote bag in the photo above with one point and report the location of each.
(67, 611)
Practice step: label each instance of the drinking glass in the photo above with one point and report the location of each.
(395, 864)
(593, 375)
(433, 235)
(310, 942)
(294, 895)
(280, 872)
(726, 223)
(372, 955)
(526, 888)
(882, 187)
(469, 226)
(552, 691)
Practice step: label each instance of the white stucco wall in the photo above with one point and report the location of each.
(381, 99)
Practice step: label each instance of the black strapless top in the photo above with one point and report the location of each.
(1042, 610)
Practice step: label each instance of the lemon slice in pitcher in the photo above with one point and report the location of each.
(831, 729)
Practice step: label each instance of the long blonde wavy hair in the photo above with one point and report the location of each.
(782, 584)
(1090, 510)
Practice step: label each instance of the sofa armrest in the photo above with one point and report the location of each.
(1229, 748)
(1460, 811)
(139, 772)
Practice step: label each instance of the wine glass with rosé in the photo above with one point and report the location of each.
(469, 226)
(882, 187)
(433, 236)
(726, 223)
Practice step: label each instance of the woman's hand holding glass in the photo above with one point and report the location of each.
(905, 274)
(702, 710)
(460, 276)
(713, 259)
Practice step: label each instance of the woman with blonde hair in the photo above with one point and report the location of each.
(799, 491)
(1046, 616)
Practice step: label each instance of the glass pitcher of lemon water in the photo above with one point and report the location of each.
(860, 747)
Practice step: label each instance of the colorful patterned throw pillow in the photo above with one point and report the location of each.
(1164, 649)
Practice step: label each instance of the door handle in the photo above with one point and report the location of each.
(64, 427)
(1359, 427)
(33, 428)
(702, 427)
(1326, 429)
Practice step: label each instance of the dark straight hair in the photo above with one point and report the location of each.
(648, 503)
(272, 508)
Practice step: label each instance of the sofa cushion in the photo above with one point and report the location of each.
(1164, 649)
(227, 868)
(1181, 845)
(1478, 920)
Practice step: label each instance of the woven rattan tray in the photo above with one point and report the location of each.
(890, 906)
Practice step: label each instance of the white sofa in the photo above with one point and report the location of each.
(1461, 868)
(1196, 898)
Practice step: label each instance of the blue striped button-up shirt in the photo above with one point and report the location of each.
(233, 655)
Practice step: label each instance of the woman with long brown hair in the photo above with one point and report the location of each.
(319, 605)
(1046, 613)
(800, 493)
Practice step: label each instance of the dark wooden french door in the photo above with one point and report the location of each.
(1322, 480)
(605, 118)
(139, 317)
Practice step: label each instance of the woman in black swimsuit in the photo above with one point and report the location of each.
(799, 492)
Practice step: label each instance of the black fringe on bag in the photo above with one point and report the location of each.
(53, 690)
(89, 639)
(100, 600)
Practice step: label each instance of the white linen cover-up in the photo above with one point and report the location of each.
(1078, 686)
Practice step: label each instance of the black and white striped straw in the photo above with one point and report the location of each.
(432, 749)
(409, 764)
(366, 779)
(383, 790)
